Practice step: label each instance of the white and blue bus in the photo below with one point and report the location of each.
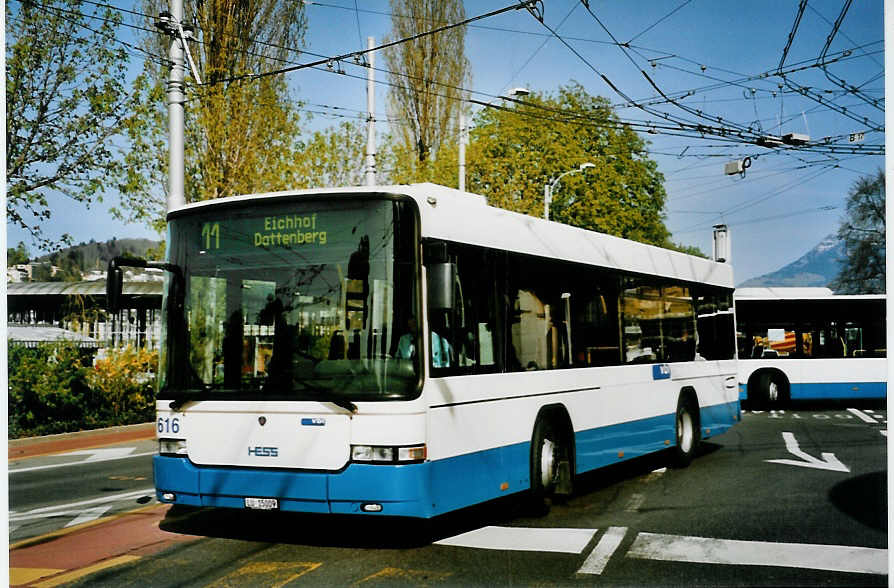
(809, 344)
(410, 351)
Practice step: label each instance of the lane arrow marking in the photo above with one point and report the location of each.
(91, 514)
(104, 454)
(828, 461)
(94, 459)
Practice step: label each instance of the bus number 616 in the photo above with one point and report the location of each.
(169, 425)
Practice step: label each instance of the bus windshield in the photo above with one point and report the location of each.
(298, 300)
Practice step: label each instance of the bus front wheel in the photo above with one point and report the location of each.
(687, 432)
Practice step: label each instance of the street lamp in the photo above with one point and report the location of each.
(551, 185)
(464, 132)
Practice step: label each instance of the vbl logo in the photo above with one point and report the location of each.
(263, 451)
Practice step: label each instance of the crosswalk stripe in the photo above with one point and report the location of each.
(862, 416)
(523, 539)
(836, 558)
(608, 544)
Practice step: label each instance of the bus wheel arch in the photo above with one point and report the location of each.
(687, 428)
(552, 457)
(770, 387)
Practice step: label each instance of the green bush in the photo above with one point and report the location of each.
(54, 388)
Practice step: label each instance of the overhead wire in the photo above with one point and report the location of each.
(339, 58)
(748, 204)
(131, 48)
(791, 36)
(695, 112)
(656, 23)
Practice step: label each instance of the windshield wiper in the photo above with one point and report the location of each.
(343, 403)
(340, 402)
(177, 403)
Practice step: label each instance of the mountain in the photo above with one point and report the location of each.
(96, 256)
(818, 267)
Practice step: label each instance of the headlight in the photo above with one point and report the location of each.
(387, 455)
(172, 447)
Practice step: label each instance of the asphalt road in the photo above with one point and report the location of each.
(56, 491)
(785, 498)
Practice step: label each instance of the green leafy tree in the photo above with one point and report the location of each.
(863, 232)
(516, 149)
(17, 255)
(426, 82)
(241, 135)
(333, 157)
(66, 99)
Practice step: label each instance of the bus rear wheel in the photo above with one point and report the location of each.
(550, 466)
(772, 389)
(687, 432)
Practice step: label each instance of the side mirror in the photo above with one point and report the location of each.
(441, 277)
(114, 286)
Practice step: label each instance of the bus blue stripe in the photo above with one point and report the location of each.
(832, 390)
(607, 445)
(417, 490)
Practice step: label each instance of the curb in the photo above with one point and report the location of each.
(34, 446)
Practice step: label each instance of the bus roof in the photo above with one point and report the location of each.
(797, 293)
(464, 217)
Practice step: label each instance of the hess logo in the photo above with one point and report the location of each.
(263, 451)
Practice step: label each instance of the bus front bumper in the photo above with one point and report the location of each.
(359, 488)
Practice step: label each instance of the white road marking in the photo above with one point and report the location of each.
(828, 461)
(636, 501)
(608, 544)
(72, 508)
(80, 462)
(655, 474)
(523, 539)
(91, 514)
(104, 453)
(862, 416)
(884, 433)
(836, 558)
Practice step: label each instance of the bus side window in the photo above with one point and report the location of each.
(468, 328)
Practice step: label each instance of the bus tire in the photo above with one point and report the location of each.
(772, 389)
(550, 465)
(687, 432)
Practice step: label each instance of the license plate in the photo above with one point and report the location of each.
(262, 503)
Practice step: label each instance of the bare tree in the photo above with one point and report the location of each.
(863, 232)
(426, 76)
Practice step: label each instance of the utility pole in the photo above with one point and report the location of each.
(462, 147)
(371, 114)
(169, 23)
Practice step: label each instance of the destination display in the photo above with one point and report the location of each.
(286, 230)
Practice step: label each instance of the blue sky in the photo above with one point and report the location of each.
(788, 201)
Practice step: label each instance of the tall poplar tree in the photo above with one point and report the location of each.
(426, 79)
